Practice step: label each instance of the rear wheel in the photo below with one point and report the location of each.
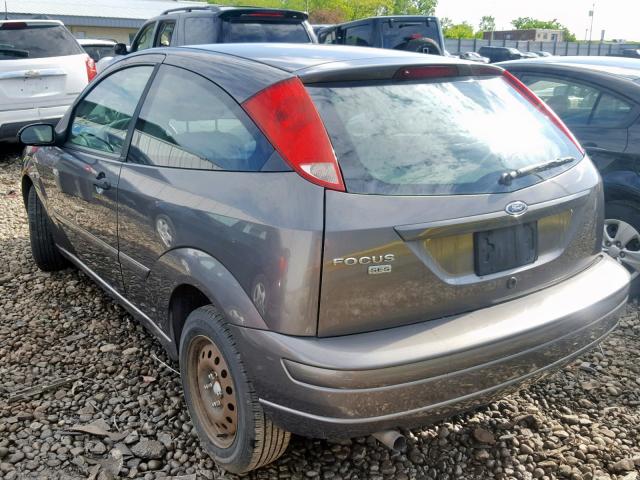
(43, 249)
(223, 406)
(622, 237)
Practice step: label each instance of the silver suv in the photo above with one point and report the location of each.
(333, 241)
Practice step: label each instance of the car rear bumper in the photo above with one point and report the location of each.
(413, 375)
(11, 121)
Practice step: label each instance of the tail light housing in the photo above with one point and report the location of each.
(541, 106)
(287, 116)
(91, 68)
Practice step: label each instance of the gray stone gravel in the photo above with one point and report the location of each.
(121, 413)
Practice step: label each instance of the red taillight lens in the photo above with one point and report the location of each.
(13, 26)
(264, 14)
(91, 68)
(287, 116)
(540, 105)
(426, 71)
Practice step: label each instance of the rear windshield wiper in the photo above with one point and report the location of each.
(507, 177)
(14, 52)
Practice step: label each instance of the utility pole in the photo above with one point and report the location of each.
(593, 8)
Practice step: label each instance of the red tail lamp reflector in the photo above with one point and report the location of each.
(13, 26)
(91, 68)
(287, 116)
(541, 106)
(426, 71)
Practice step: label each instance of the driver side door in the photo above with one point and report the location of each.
(87, 170)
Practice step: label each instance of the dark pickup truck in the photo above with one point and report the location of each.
(413, 33)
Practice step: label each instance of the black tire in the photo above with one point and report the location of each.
(628, 212)
(43, 249)
(257, 440)
(423, 45)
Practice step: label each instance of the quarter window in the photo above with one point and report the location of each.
(145, 39)
(360, 35)
(610, 111)
(198, 30)
(103, 117)
(203, 130)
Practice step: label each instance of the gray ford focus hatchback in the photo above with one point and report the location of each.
(332, 241)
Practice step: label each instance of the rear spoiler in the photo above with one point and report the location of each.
(366, 69)
(265, 13)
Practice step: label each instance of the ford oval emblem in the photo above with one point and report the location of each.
(516, 208)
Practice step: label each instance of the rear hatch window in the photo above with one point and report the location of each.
(254, 27)
(399, 34)
(443, 137)
(33, 40)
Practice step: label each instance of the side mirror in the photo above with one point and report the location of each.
(37, 135)
(120, 49)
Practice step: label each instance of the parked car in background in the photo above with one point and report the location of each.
(474, 57)
(318, 28)
(218, 24)
(42, 70)
(411, 33)
(542, 53)
(529, 55)
(332, 241)
(599, 100)
(97, 49)
(500, 54)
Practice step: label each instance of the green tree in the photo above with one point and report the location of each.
(459, 30)
(525, 23)
(487, 23)
(413, 7)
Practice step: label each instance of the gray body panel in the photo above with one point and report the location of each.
(258, 232)
(413, 375)
(420, 284)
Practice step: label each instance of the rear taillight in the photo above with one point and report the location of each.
(541, 106)
(91, 68)
(289, 119)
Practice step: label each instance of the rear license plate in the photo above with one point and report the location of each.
(505, 248)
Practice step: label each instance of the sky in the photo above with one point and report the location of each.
(619, 18)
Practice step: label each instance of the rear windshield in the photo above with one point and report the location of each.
(438, 138)
(250, 31)
(36, 41)
(399, 35)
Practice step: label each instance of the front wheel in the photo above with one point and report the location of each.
(621, 238)
(223, 406)
(43, 248)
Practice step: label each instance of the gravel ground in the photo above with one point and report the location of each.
(119, 412)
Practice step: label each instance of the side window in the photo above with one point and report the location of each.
(360, 35)
(165, 32)
(611, 111)
(204, 130)
(329, 37)
(198, 30)
(145, 39)
(101, 119)
(573, 102)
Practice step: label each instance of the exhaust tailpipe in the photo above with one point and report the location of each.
(392, 439)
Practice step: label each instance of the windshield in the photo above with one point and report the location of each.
(22, 40)
(438, 138)
(253, 31)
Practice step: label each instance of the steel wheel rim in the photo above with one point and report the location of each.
(622, 242)
(213, 391)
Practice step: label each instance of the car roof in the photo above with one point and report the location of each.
(627, 68)
(293, 57)
(29, 21)
(221, 9)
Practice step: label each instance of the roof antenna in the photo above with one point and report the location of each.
(6, 13)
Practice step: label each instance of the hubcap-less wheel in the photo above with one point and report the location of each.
(622, 242)
(213, 391)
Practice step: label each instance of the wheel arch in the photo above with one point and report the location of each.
(183, 278)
